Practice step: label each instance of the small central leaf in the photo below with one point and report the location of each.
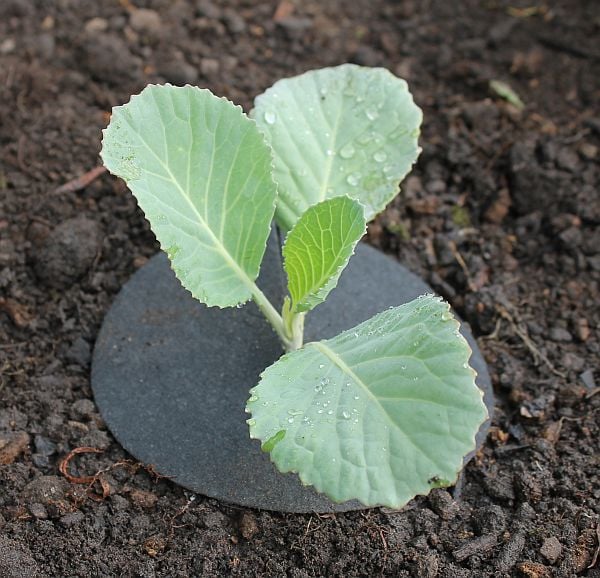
(318, 248)
(380, 413)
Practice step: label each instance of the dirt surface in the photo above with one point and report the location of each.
(501, 216)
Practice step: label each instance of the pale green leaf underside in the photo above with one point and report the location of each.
(318, 248)
(380, 413)
(201, 172)
(347, 130)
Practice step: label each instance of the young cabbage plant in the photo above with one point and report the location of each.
(382, 412)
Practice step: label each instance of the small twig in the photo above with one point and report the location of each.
(494, 334)
(63, 467)
(524, 336)
(463, 265)
(308, 526)
(99, 475)
(180, 512)
(592, 393)
(597, 551)
(81, 181)
(562, 46)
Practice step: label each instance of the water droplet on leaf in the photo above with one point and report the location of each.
(347, 151)
(353, 179)
(372, 113)
(270, 117)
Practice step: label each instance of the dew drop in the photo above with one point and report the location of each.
(356, 397)
(329, 412)
(321, 365)
(251, 422)
(353, 179)
(318, 387)
(365, 138)
(372, 113)
(347, 151)
(346, 415)
(253, 398)
(465, 365)
(380, 156)
(330, 152)
(446, 316)
(270, 117)
(290, 420)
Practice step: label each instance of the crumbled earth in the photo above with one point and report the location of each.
(501, 216)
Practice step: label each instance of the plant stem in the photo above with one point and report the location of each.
(288, 326)
(272, 316)
(297, 336)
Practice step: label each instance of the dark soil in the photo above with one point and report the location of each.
(501, 216)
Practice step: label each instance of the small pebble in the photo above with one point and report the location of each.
(38, 511)
(209, 66)
(248, 525)
(144, 20)
(588, 379)
(83, 408)
(71, 519)
(95, 25)
(560, 335)
(551, 549)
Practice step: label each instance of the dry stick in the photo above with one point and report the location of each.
(98, 476)
(522, 333)
(81, 182)
(63, 467)
(463, 265)
(597, 551)
(593, 393)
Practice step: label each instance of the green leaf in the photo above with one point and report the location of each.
(201, 172)
(318, 248)
(380, 413)
(506, 92)
(347, 130)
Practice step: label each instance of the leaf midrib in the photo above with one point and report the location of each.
(330, 158)
(341, 364)
(216, 241)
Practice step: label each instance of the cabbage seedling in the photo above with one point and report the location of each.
(380, 413)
